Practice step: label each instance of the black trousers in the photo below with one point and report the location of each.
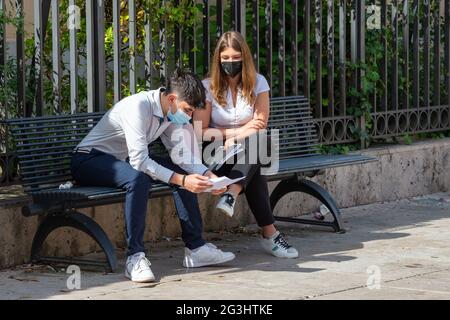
(254, 185)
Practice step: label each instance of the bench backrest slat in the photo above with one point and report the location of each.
(44, 144)
(297, 136)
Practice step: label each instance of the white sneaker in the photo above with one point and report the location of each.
(206, 255)
(226, 204)
(137, 268)
(277, 246)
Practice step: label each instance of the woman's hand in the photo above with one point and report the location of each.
(257, 124)
(229, 142)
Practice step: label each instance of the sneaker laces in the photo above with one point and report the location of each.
(229, 199)
(281, 241)
(142, 259)
(209, 244)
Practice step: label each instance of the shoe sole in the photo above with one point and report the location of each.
(272, 253)
(286, 257)
(139, 280)
(221, 210)
(283, 256)
(209, 263)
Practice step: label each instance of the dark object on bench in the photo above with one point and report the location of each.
(44, 146)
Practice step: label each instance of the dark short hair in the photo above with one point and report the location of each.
(188, 86)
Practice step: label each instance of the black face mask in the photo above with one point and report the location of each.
(232, 69)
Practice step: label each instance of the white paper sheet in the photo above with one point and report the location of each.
(222, 182)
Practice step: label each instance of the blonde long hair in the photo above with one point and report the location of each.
(233, 39)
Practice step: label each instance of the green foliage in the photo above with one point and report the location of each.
(338, 148)
(407, 139)
(8, 76)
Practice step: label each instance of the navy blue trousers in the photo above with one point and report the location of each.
(100, 169)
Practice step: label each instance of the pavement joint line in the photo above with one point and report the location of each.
(422, 290)
(240, 285)
(417, 275)
(365, 286)
(147, 285)
(135, 286)
(333, 292)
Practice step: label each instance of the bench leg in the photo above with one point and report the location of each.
(78, 221)
(313, 189)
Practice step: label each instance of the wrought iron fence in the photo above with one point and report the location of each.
(371, 69)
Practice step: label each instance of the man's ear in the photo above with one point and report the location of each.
(172, 97)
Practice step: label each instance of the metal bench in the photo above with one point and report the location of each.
(44, 146)
(299, 158)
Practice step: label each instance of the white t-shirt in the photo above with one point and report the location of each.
(230, 116)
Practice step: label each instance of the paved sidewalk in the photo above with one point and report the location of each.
(405, 243)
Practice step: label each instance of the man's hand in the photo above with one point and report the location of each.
(217, 192)
(194, 182)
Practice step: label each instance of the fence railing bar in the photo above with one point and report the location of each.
(117, 51)
(330, 55)
(405, 22)
(2, 42)
(447, 50)
(20, 56)
(342, 56)
(162, 52)
(148, 48)
(191, 44)
(56, 61)
(177, 45)
(73, 54)
(242, 11)
(437, 57)
(269, 42)
(361, 14)
(3, 106)
(318, 54)
(353, 48)
(100, 68)
(394, 61)
(307, 50)
(234, 23)
(132, 41)
(426, 55)
(206, 39)
(416, 55)
(361, 57)
(255, 33)
(39, 49)
(282, 48)
(294, 45)
(384, 60)
(90, 53)
(219, 29)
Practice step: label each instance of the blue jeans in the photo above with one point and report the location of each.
(100, 169)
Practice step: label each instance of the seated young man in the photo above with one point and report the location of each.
(115, 154)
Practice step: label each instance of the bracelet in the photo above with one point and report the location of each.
(182, 181)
